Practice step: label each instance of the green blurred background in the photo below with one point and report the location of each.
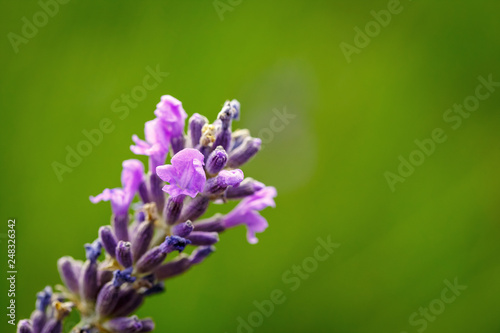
(352, 121)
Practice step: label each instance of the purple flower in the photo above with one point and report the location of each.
(132, 177)
(246, 212)
(185, 175)
(171, 113)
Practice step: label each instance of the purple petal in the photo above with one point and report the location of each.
(261, 199)
(118, 198)
(156, 144)
(185, 175)
(132, 177)
(171, 112)
(157, 133)
(231, 177)
(141, 147)
(246, 213)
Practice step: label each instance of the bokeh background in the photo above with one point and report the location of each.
(351, 122)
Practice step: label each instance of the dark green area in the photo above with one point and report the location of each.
(352, 121)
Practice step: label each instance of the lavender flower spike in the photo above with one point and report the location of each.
(246, 212)
(205, 166)
(185, 175)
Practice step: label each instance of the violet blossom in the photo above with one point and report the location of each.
(185, 174)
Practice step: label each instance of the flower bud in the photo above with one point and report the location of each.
(244, 153)
(142, 239)
(68, 274)
(107, 299)
(38, 320)
(128, 301)
(195, 208)
(24, 326)
(178, 143)
(173, 268)
(196, 123)
(124, 254)
(147, 325)
(108, 240)
(182, 229)
(203, 238)
(214, 223)
(88, 281)
(173, 208)
(246, 188)
(123, 325)
(52, 326)
(236, 109)
(103, 276)
(154, 257)
(223, 180)
(238, 137)
(120, 226)
(200, 254)
(216, 161)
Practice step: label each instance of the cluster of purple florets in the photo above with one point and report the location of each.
(204, 168)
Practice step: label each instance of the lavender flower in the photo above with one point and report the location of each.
(171, 112)
(173, 116)
(156, 144)
(185, 175)
(204, 169)
(121, 198)
(246, 212)
(132, 176)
